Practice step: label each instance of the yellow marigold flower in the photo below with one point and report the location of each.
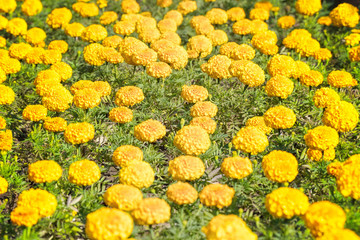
(6, 140)
(269, 49)
(94, 33)
(149, 35)
(44, 202)
(34, 113)
(7, 95)
(74, 29)
(250, 140)
(192, 140)
(259, 13)
(10, 65)
(144, 57)
(176, 57)
(324, 216)
(149, 131)
(92, 54)
(123, 197)
(354, 54)
(324, 21)
(342, 116)
(80, 85)
(51, 57)
(126, 154)
(339, 234)
(236, 167)
(243, 27)
(129, 96)
(325, 97)
(121, 115)
(59, 17)
(110, 55)
(58, 99)
(248, 72)
(186, 7)
(235, 14)
(130, 6)
(204, 28)
(194, 93)
(87, 10)
(102, 3)
(2, 123)
(308, 7)
(279, 86)
(280, 117)
(45, 75)
(164, 3)
(201, 45)
(59, 45)
(108, 223)
(217, 16)
(301, 68)
(186, 168)
(296, 37)
(175, 15)
(352, 39)
(34, 56)
(129, 47)
(158, 69)
(7, 6)
(286, 203)
(2, 75)
(2, 42)
(218, 37)
(138, 174)
(208, 124)
(203, 109)
(322, 138)
(24, 216)
(124, 27)
(146, 24)
(228, 227)
(151, 211)
(112, 41)
(63, 69)
(172, 37)
(217, 67)
(44, 171)
(317, 155)
(258, 122)
(334, 168)
(340, 79)
(345, 15)
(16, 27)
(167, 25)
(35, 36)
(217, 195)
(280, 166)
(77, 133)
(308, 47)
(264, 5)
(108, 17)
(19, 50)
(182, 193)
(48, 86)
(84, 172)
(87, 98)
(347, 179)
(286, 22)
(237, 52)
(282, 65)
(322, 54)
(3, 185)
(3, 22)
(56, 124)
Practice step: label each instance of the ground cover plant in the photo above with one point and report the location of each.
(167, 119)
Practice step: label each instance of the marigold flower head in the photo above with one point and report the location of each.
(218, 37)
(237, 52)
(175, 15)
(10, 65)
(77, 133)
(325, 97)
(51, 57)
(16, 27)
(121, 115)
(56, 124)
(279, 117)
(7, 6)
(158, 69)
(322, 54)
(108, 17)
(186, 168)
(301, 68)
(279, 86)
(311, 78)
(74, 29)
(86, 9)
(308, 7)
(208, 124)
(324, 21)
(84, 172)
(149, 35)
(286, 22)
(149, 131)
(354, 54)
(236, 167)
(228, 226)
(94, 33)
(265, 39)
(340, 79)
(248, 72)
(280, 166)
(108, 223)
(126, 154)
(217, 16)
(201, 45)
(340, 234)
(112, 41)
(334, 168)
(192, 140)
(164, 3)
(63, 69)
(352, 39)
(144, 57)
(57, 100)
(167, 25)
(186, 7)
(151, 211)
(124, 27)
(345, 15)
(217, 195)
(19, 50)
(176, 57)
(2, 42)
(2, 123)
(59, 45)
(250, 140)
(7, 95)
(130, 6)
(44, 171)
(80, 85)
(6, 140)
(3, 22)
(347, 177)
(129, 47)
(194, 93)
(92, 54)
(282, 65)
(34, 55)
(35, 36)
(182, 193)
(172, 37)
(203, 109)
(138, 174)
(217, 67)
(317, 155)
(308, 47)
(110, 55)
(59, 17)
(243, 27)
(342, 116)
(44, 202)
(286, 203)
(24, 216)
(123, 197)
(324, 216)
(3, 185)
(235, 14)
(34, 113)
(87, 98)
(293, 40)
(258, 122)
(259, 13)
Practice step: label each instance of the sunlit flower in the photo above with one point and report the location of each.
(217, 195)
(181, 193)
(123, 197)
(77, 133)
(250, 140)
(138, 174)
(192, 140)
(186, 168)
(280, 166)
(151, 211)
